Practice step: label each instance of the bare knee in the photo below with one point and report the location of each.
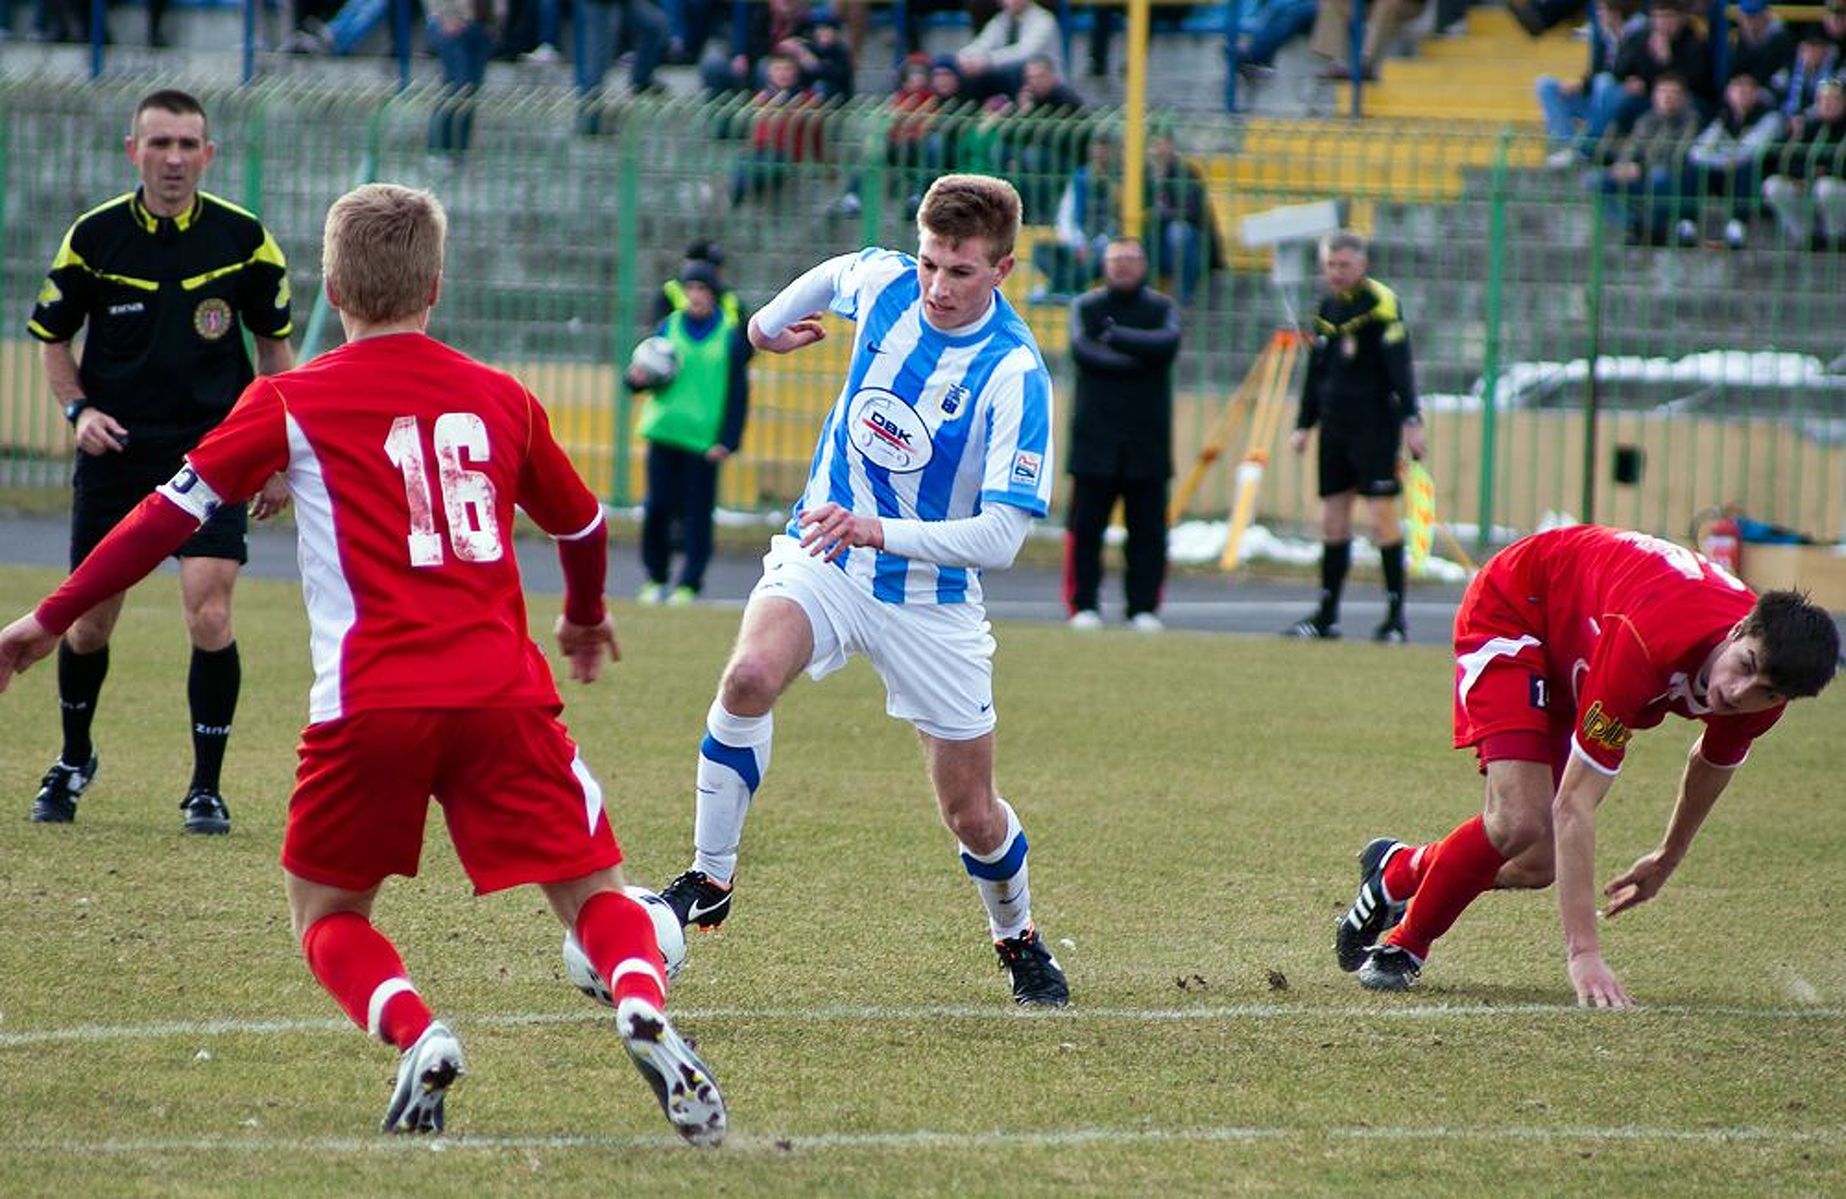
(209, 623)
(751, 684)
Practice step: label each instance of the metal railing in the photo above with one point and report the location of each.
(1563, 369)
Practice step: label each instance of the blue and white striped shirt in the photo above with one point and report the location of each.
(929, 425)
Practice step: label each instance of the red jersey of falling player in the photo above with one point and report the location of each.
(1613, 628)
(407, 569)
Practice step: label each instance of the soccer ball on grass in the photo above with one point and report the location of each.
(667, 931)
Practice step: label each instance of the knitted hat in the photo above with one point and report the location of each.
(695, 271)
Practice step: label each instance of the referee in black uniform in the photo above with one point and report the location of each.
(163, 276)
(1361, 392)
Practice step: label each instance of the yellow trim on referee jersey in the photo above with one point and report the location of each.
(201, 280)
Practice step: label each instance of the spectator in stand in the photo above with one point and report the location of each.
(691, 23)
(1667, 42)
(769, 25)
(1578, 111)
(1089, 218)
(349, 26)
(1816, 59)
(1331, 37)
(1640, 183)
(461, 35)
(1041, 144)
(824, 58)
(1762, 47)
(529, 32)
(1537, 17)
(910, 106)
(642, 25)
(1181, 230)
(1727, 159)
(1833, 23)
(1106, 18)
(1810, 178)
(785, 129)
(1268, 25)
(995, 62)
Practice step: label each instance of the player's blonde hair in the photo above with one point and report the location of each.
(381, 250)
(958, 207)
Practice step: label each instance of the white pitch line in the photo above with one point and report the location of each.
(1068, 1138)
(873, 1013)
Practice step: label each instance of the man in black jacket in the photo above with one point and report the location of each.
(1360, 390)
(1124, 336)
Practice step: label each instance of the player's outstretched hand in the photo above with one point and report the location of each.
(585, 646)
(830, 530)
(804, 332)
(272, 499)
(1641, 882)
(1596, 984)
(22, 643)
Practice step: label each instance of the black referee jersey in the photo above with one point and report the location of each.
(163, 297)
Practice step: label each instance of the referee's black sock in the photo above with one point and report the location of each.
(80, 682)
(1391, 557)
(211, 689)
(1335, 558)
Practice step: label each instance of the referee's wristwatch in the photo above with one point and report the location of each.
(74, 409)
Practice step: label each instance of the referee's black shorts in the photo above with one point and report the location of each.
(105, 488)
(1361, 460)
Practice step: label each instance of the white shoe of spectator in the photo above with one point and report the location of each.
(1086, 620)
(1734, 234)
(545, 54)
(1147, 622)
(1559, 160)
(1686, 233)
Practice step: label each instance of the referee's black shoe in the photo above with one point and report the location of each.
(205, 812)
(1391, 631)
(59, 790)
(1313, 628)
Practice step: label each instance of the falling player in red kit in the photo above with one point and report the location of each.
(406, 459)
(1565, 644)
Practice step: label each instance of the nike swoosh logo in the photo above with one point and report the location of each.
(988, 706)
(706, 790)
(697, 909)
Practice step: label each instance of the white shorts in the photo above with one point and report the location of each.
(936, 660)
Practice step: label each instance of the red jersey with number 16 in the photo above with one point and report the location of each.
(1626, 622)
(406, 458)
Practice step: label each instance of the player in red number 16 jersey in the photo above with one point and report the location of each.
(1565, 644)
(406, 459)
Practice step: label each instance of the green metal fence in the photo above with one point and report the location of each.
(1717, 374)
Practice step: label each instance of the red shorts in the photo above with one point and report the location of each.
(520, 804)
(1506, 706)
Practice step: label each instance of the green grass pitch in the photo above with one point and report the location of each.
(1193, 802)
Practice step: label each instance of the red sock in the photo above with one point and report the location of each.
(1404, 871)
(1458, 868)
(617, 936)
(361, 969)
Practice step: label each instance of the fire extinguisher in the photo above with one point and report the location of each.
(1722, 543)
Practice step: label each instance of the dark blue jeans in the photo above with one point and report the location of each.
(464, 57)
(682, 486)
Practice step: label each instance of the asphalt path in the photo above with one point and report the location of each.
(1203, 601)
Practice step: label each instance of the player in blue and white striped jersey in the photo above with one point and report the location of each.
(930, 467)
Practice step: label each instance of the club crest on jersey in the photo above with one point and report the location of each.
(212, 318)
(1026, 467)
(888, 432)
(952, 398)
(1604, 729)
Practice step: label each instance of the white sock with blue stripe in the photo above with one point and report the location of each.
(1000, 877)
(732, 761)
